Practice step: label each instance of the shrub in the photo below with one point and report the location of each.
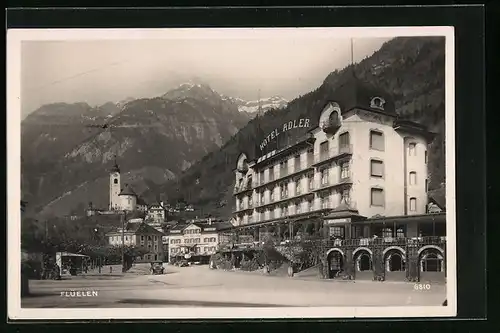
(249, 265)
(221, 262)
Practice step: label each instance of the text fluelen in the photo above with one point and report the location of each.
(298, 123)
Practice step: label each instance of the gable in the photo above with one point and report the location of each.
(192, 227)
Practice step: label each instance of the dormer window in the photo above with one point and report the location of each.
(377, 103)
(332, 124)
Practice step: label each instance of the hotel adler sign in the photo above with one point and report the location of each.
(285, 127)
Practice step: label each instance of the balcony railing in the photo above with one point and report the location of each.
(400, 241)
(242, 188)
(333, 153)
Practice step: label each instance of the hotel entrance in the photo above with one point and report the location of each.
(335, 259)
(395, 264)
(363, 264)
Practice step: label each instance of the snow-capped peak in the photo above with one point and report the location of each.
(264, 104)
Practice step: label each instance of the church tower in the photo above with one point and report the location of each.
(114, 188)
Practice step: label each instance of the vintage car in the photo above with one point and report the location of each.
(183, 263)
(157, 268)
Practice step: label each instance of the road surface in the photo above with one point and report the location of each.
(199, 286)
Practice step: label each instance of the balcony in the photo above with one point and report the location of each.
(345, 149)
(332, 154)
(330, 126)
(242, 188)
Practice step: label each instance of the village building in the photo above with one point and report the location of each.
(141, 235)
(351, 172)
(196, 240)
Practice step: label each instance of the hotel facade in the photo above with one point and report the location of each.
(354, 171)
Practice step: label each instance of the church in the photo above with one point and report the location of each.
(120, 198)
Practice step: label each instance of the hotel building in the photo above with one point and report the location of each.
(354, 171)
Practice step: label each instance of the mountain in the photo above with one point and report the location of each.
(264, 104)
(65, 161)
(410, 68)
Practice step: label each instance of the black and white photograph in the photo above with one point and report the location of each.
(231, 173)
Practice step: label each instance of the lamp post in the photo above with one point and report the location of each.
(123, 218)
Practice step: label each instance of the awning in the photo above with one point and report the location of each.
(68, 254)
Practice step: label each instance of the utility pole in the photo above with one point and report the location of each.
(123, 218)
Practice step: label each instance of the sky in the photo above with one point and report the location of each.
(98, 71)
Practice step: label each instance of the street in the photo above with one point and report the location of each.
(199, 286)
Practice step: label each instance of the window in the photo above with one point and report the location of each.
(284, 190)
(426, 185)
(325, 202)
(386, 232)
(115, 181)
(377, 168)
(310, 156)
(344, 170)
(413, 178)
(323, 150)
(376, 140)
(377, 197)
(156, 238)
(413, 204)
(311, 182)
(337, 232)
(346, 196)
(284, 211)
(412, 149)
(261, 198)
(142, 238)
(261, 177)
(250, 201)
(296, 163)
(310, 205)
(156, 247)
(400, 232)
(297, 208)
(344, 140)
(283, 168)
(271, 174)
(425, 156)
(272, 195)
(298, 186)
(324, 176)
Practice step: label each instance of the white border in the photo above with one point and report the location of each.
(14, 39)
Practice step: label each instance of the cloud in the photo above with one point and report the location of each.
(97, 71)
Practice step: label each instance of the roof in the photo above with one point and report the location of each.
(140, 201)
(438, 196)
(203, 225)
(351, 93)
(127, 190)
(354, 93)
(137, 228)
